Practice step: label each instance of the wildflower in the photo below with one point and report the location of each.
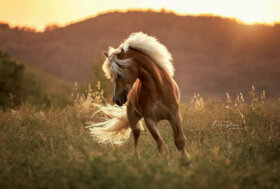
(98, 85)
(197, 102)
(228, 100)
(237, 101)
(241, 97)
(263, 96)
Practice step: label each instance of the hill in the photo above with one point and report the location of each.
(212, 55)
(21, 84)
(55, 87)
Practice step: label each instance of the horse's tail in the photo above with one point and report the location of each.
(115, 127)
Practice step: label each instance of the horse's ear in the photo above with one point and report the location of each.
(121, 54)
(122, 51)
(105, 54)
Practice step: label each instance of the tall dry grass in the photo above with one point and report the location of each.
(234, 143)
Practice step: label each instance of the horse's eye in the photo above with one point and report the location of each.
(119, 76)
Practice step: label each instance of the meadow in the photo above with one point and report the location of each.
(234, 143)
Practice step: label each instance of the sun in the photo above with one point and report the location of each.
(249, 11)
(257, 11)
(38, 14)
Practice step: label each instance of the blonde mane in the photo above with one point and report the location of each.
(144, 43)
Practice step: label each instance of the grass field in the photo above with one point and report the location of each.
(234, 144)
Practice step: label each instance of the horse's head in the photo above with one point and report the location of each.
(120, 69)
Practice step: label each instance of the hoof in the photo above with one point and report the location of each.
(136, 155)
(186, 160)
(185, 163)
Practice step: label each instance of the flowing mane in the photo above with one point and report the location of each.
(144, 43)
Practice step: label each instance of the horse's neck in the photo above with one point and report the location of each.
(149, 74)
(153, 84)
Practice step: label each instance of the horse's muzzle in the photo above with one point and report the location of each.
(121, 99)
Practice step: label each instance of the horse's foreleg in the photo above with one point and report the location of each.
(162, 147)
(136, 135)
(179, 137)
(133, 119)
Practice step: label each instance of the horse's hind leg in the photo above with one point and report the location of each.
(162, 147)
(133, 119)
(179, 137)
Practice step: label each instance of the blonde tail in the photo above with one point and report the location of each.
(115, 128)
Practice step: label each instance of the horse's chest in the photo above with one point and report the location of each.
(149, 104)
(153, 109)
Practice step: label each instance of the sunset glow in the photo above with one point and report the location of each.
(39, 13)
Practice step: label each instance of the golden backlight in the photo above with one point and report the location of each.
(39, 13)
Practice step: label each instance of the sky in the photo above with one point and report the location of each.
(39, 13)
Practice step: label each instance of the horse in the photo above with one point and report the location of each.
(142, 71)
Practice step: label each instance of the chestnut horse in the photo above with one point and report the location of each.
(142, 72)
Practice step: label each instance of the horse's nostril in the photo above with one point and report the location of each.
(119, 102)
(125, 98)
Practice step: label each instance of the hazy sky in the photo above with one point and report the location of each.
(39, 13)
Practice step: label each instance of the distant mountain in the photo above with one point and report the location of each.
(212, 55)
